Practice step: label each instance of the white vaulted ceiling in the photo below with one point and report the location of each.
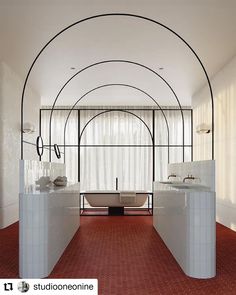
(209, 26)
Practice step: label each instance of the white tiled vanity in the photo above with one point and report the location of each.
(184, 217)
(49, 218)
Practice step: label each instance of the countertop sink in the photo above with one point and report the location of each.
(180, 185)
(166, 182)
(193, 186)
(171, 182)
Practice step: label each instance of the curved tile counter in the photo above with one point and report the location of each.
(185, 220)
(48, 221)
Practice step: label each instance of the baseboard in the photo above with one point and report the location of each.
(226, 215)
(9, 214)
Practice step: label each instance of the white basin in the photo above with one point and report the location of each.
(171, 182)
(181, 186)
(194, 186)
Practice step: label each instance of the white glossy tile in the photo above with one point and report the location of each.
(197, 235)
(44, 233)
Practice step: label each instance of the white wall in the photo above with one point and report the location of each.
(224, 90)
(10, 98)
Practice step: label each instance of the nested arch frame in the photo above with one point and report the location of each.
(117, 110)
(123, 85)
(114, 15)
(152, 135)
(116, 61)
(101, 110)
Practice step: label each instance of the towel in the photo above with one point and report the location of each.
(127, 197)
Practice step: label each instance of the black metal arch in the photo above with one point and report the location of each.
(112, 15)
(114, 61)
(131, 113)
(118, 110)
(124, 85)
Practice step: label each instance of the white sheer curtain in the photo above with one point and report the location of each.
(57, 137)
(175, 123)
(131, 165)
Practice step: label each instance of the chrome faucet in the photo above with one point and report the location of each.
(172, 175)
(188, 177)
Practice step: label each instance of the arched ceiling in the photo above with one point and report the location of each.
(207, 25)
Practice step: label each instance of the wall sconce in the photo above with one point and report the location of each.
(203, 128)
(28, 128)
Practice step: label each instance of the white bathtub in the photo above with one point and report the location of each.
(108, 198)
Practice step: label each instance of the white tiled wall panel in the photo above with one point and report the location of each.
(32, 170)
(49, 219)
(186, 223)
(186, 220)
(203, 171)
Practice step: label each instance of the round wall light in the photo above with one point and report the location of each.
(28, 128)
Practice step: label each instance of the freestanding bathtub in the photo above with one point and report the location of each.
(113, 198)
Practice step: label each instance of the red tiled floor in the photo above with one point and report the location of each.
(9, 251)
(128, 257)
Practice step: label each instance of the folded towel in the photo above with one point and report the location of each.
(127, 197)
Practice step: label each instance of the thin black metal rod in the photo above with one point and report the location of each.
(40, 131)
(120, 107)
(153, 149)
(28, 142)
(121, 145)
(108, 111)
(123, 85)
(114, 61)
(192, 135)
(117, 185)
(78, 145)
(112, 15)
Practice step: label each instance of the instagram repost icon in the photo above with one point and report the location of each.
(8, 287)
(23, 287)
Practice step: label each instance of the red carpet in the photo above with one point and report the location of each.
(128, 257)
